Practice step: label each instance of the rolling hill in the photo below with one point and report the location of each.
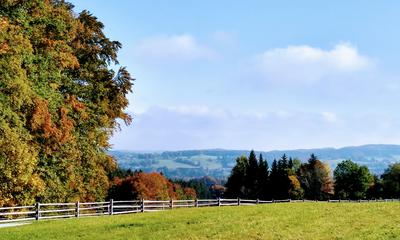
(219, 162)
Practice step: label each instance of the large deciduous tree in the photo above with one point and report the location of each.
(391, 181)
(352, 180)
(60, 101)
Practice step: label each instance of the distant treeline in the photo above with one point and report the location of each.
(289, 178)
(253, 178)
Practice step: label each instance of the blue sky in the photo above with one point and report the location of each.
(261, 74)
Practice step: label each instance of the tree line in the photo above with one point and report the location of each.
(252, 178)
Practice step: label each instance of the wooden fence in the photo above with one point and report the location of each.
(81, 209)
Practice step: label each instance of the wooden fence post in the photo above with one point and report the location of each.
(196, 203)
(37, 210)
(219, 202)
(77, 209)
(257, 201)
(171, 203)
(111, 207)
(142, 205)
(238, 201)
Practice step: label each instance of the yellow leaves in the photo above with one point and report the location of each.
(54, 86)
(68, 60)
(294, 182)
(17, 163)
(36, 183)
(61, 52)
(3, 23)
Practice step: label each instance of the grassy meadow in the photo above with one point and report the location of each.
(271, 221)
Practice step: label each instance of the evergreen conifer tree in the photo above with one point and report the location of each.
(263, 177)
(235, 186)
(251, 181)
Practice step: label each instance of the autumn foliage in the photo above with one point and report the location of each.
(59, 103)
(151, 186)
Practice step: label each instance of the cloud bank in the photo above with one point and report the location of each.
(306, 64)
(199, 127)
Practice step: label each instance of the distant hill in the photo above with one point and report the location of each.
(219, 162)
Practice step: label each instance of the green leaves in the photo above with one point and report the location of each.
(351, 180)
(60, 101)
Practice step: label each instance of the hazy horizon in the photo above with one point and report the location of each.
(257, 150)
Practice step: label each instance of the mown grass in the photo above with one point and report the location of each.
(272, 221)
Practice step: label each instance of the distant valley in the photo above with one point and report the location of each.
(219, 162)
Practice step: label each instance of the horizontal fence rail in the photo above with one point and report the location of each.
(81, 209)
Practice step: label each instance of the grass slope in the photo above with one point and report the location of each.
(273, 221)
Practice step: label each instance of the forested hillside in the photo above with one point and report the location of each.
(59, 103)
(218, 163)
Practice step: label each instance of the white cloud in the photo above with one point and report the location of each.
(329, 117)
(164, 49)
(305, 64)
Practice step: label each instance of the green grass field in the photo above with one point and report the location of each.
(272, 221)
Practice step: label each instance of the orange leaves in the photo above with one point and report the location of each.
(3, 48)
(3, 22)
(41, 118)
(41, 122)
(152, 186)
(66, 127)
(3, 26)
(190, 193)
(75, 104)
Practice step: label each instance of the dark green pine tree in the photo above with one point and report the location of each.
(252, 177)
(290, 163)
(282, 179)
(273, 180)
(263, 177)
(283, 164)
(235, 186)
